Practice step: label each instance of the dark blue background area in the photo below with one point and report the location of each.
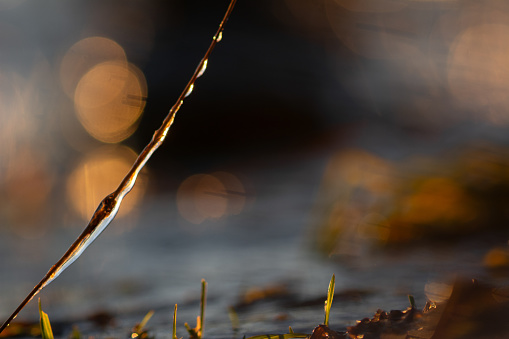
(262, 93)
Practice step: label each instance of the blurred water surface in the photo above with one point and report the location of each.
(161, 258)
(366, 139)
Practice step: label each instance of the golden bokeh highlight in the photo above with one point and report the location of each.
(84, 55)
(359, 168)
(354, 186)
(366, 202)
(497, 258)
(478, 70)
(438, 292)
(235, 192)
(97, 175)
(109, 100)
(202, 197)
(199, 198)
(437, 200)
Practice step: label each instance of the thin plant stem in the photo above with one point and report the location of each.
(328, 302)
(203, 304)
(197, 332)
(109, 206)
(174, 332)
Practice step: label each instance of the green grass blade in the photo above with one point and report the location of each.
(174, 334)
(328, 302)
(197, 332)
(46, 331)
(203, 303)
(412, 301)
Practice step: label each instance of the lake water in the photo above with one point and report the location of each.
(160, 260)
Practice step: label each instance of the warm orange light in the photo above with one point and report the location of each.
(84, 55)
(478, 70)
(235, 192)
(354, 187)
(438, 292)
(497, 257)
(109, 100)
(437, 200)
(356, 167)
(200, 198)
(210, 197)
(98, 174)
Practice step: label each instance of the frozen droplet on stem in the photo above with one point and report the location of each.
(189, 91)
(109, 206)
(219, 36)
(203, 68)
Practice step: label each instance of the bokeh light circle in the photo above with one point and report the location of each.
(202, 197)
(84, 55)
(199, 199)
(478, 72)
(97, 175)
(109, 100)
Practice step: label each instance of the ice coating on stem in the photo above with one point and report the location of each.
(104, 214)
(106, 211)
(218, 37)
(203, 68)
(108, 208)
(189, 91)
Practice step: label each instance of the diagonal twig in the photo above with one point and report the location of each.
(109, 206)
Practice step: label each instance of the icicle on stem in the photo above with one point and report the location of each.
(109, 206)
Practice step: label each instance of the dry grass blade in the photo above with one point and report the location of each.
(197, 332)
(139, 329)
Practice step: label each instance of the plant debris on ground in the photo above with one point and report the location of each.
(474, 310)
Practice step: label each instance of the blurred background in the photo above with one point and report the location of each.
(322, 132)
